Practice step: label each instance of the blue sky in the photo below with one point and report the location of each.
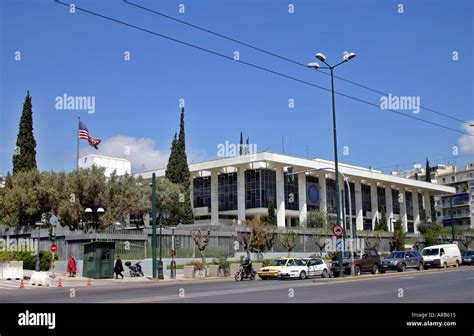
(408, 54)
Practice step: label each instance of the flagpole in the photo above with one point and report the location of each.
(77, 150)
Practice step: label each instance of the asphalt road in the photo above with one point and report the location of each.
(433, 286)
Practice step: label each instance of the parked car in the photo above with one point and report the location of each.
(441, 255)
(369, 262)
(271, 272)
(303, 268)
(468, 258)
(401, 260)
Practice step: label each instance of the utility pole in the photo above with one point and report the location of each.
(153, 224)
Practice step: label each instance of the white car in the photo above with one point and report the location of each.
(303, 268)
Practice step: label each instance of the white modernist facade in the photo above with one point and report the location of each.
(111, 164)
(241, 188)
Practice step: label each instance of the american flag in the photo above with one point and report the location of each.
(84, 134)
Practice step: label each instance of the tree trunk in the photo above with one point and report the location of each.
(248, 253)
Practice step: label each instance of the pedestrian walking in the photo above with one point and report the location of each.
(71, 267)
(118, 268)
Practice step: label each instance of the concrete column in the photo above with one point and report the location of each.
(358, 204)
(374, 202)
(280, 197)
(214, 198)
(427, 204)
(322, 192)
(191, 191)
(403, 207)
(416, 211)
(302, 197)
(389, 202)
(240, 195)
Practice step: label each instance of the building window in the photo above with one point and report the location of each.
(367, 224)
(260, 188)
(410, 227)
(202, 192)
(312, 193)
(409, 204)
(291, 193)
(381, 199)
(331, 196)
(227, 191)
(366, 201)
(346, 198)
(420, 203)
(395, 203)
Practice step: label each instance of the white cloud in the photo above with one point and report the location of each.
(466, 142)
(140, 152)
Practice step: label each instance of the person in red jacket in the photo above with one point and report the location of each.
(71, 266)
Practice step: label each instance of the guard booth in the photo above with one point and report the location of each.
(98, 261)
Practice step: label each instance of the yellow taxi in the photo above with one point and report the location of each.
(271, 272)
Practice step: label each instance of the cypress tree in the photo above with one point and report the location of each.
(432, 201)
(247, 146)
(171, 167)
(24, 157)
(241, 149)
(177, 170)
(271, 219)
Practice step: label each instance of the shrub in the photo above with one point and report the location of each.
(29, 259)
(223, 263)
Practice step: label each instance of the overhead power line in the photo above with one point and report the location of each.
(257, 66)
(280, 56)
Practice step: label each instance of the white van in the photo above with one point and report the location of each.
(441, 256)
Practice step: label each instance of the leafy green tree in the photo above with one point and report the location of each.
(126, 196)
(20, 204)
(397, 241)
(24, 158)
(271, 218)
(318, 219)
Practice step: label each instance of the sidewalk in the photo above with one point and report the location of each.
(126, 280)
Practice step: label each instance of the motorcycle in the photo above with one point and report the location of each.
(135, 270)
(241, 274)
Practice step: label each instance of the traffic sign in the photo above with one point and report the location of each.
(53, 220)
(53, 248)
(338, 245)
(337, 230)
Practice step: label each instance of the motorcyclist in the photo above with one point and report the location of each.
(248, 266)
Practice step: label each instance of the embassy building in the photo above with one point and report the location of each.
(235, 189)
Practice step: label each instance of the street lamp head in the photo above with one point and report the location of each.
(313, 65)
(100, 210)
(348, 56)
(88, 210)
(321, 57)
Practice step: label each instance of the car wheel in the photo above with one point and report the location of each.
(325, 273)
(457, 264)
(420, 267)
(303, 275)
(357, 270)
(375, 269)
(402, 268)
(445, 265)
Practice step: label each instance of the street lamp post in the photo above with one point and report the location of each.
(165, 214)
(153, 224)
(315, 65)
